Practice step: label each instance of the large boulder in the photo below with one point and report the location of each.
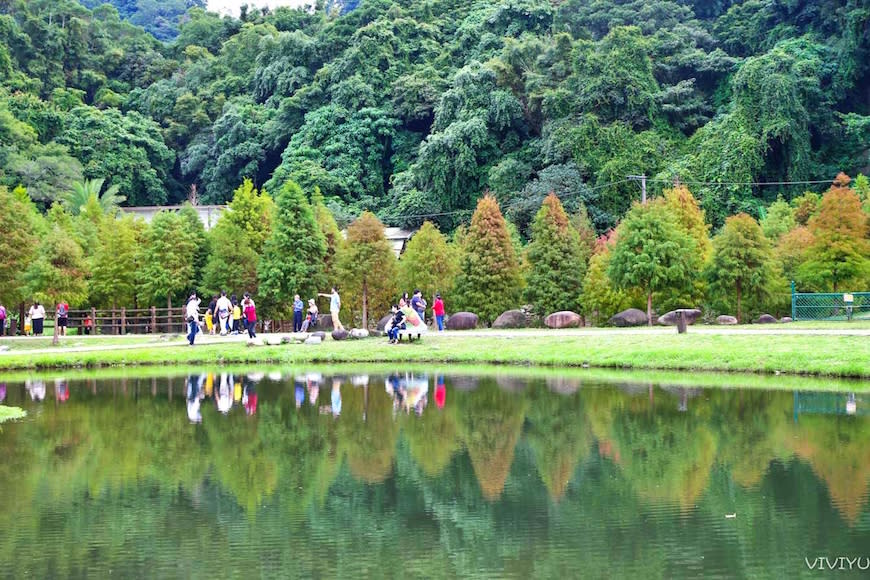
(786, 319)
(630, 317)
(319, 333)
(462, 321)
(511, 319)
(382, 323)
(726, 320)
(670, 318)
(563, 319)
(766, 319)
(324, 322)
(339, 334)
(359, 333)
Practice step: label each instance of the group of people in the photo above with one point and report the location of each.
(412, 310)
(226, 315)
(223, 316)
(34, 321)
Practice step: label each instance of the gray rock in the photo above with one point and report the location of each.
(382, 323)
(462, 321)
(359, 333)
(511, 319)
(563, 319)
(786, 319)
(339, 334)
(630, 317)
(670, 318)
(273, 340)
(318, 333)
(766, 319)
(255, 342)
(313, 340)
(324, 322)
(726, 320)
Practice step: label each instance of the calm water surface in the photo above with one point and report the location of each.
(430, 476)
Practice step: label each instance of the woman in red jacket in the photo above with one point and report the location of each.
(250, 311)
(438, 311)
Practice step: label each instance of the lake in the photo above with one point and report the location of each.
(430, 475)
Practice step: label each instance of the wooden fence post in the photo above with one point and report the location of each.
(123, 329)
(153, 320)
(94, 320)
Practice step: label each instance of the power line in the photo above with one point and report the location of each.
(745, 183)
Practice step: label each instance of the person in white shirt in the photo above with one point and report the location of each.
(37, 317)
(192, 315)
(223, 310)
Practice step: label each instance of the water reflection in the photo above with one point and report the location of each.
(356, 474)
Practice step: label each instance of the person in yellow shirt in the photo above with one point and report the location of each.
(209, 322)
(237, 314)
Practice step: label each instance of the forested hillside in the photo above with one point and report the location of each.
(159, 17)
(415, 108)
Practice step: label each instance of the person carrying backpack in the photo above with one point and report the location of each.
(61, 318)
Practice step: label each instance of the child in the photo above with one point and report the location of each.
(237, 314)
(396, 324)
(88, 324)
(209, 322)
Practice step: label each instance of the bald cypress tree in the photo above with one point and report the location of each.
(556, 259)
(489, 280)
(292, 260)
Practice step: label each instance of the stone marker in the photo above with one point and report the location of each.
(670, 318)
(726, 320)
(462, 321)
(630, 317)
(563, 319)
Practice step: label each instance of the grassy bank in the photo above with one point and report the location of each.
(818, 355)
(9, 413)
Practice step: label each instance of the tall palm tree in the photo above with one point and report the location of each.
(82, 191)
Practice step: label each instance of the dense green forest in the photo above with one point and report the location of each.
(416, 108)
(159, 17)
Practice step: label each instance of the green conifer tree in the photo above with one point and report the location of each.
(556, 261)
(292, 260)
(489, 280)
(167, 259)
(653, 253)
(428, 263)
(114, 264)
(742, 262)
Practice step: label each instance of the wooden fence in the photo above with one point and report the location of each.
(149, 321)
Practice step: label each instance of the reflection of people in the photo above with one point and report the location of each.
(440, 392)
(224, 395)
(36, 389)
(250, 398)
(336, 397)
(61, 390)
(194, 398)
(2, 392)
(313, 388)
(300, 393)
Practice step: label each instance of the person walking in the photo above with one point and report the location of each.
(250, 310)
(298, 307)
(210, 318)
(37, 318)
(61, 318)
(2, 320)
(438, 311)
(334, 308)
(237, 314)
(224, 309)
(192, 318)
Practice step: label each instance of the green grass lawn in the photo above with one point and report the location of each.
(820, 355)
(43, 342)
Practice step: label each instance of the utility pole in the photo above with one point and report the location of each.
(642, 179)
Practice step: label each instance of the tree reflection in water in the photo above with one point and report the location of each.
(358, 474)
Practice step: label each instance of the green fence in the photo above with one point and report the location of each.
(830, 306)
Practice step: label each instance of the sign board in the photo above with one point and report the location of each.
(847, 298)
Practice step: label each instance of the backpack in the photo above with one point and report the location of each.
(61, 310)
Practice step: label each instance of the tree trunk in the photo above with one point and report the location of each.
(649, 308)
(739, 294)
(365, 309)
(54, 338)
